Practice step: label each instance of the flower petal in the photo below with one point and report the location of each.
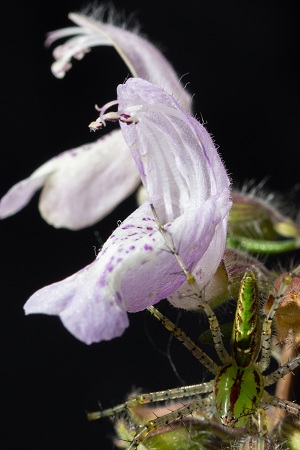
(142, 58)
(132, 271)
(183, 175)
(84, 310)
(21, 193)
(178, 162)
(81, 185)
(92, 303)
(180, 168)
(212, 254)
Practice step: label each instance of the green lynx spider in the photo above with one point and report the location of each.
(237, 391)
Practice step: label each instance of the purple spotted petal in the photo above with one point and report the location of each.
(92, 303)
(80, 186)
(132, 272)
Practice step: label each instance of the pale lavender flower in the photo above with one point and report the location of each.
(102, 174)
(188, 185)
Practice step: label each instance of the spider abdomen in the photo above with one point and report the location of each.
(238, 392)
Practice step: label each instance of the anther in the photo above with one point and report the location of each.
(126, 116)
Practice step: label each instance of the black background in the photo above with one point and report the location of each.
(241, 62)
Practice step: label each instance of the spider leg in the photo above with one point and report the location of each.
(168, 394)
(267, 323)
(213, 321)
(178, 414)
(186, 341)
(281, 371)
(290, 407)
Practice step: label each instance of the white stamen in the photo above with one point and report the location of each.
(127, 115)
(106, 106)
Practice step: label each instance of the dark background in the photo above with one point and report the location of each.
(241, 61)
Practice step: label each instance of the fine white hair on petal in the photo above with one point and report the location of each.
(168, 141)
(112, 16)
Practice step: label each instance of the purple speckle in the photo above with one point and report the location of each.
(102, 280)
(149, 228)
(128, 226)
(148, 247)
(132, 247)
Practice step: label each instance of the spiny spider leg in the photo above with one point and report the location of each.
(152, 397)
(281, 371)
(167, 419)
(213, 321)
(286, 405)
(267, 322)
(185, 340)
